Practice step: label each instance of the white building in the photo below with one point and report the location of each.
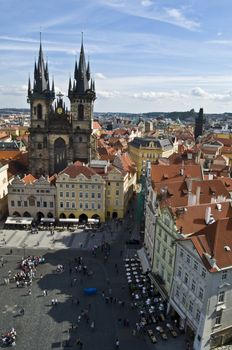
(201, 292)
(31, 197)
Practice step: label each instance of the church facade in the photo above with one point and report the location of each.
(59, 137)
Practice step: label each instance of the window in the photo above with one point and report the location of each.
(195, 265)
(25, 203)
(80, 205)
(67, 186)
(190, 306)
(157, 264)
(165, 238)
(99, 206)
(158, 247)
(93, 195)
(108, 183)
(92, 206)
(99, 195)
(184, 299)
(86, 206)
(67, 194)
(164, 254)
(19, 203)
(177, 291)
(61, 185)
(12, 203)
(80, 112)
(99, 186)
(218, 319)
(116, 202)
(193, 286)
(179, 271)
(198, 315)
(117, 184)
(61, 194)
(224, 275)
(61, 204)
(38, 204)
(86, 195)
(73, 194)
(169, 278)
(45, 204)
(221, 297)
(181, 253)
(81, 186)
(81, 195)
(188, 259)
(51, 204)
(73, 186)
(186, 278)
(201, 293)
(203, 272)
(117, 192)
(170, 259)
(73, 205)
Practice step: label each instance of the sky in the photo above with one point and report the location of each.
(145, 55)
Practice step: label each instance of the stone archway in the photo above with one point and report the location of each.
(114, 215)
(50, 215)
(83, 219)
(95, 216)
(71, 216)
(60, 155)
(16, 214)
(39, 216)
(62, 216)
(26, 214)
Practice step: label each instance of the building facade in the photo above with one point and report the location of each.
(58, 137)
(31, 197)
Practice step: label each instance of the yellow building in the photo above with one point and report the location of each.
(149, 148)
(80, 193)
(95, 191)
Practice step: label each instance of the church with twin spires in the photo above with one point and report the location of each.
(59, 137)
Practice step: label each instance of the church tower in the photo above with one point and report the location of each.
(40, 98)
(199, 123)
(81, 94)
(58, 137)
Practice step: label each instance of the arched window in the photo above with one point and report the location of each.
(80, 112)
(39, 146)
(45, 141)
(39, 111)
(80, 139)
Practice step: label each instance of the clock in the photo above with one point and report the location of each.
(59, 110)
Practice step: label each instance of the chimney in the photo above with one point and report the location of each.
(198, 193)
(207, 215)
(181, 171)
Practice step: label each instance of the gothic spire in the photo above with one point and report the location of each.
(29, 87)
(88, 72)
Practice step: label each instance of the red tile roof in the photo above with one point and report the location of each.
(192, 219)
(172, 173)
(78, 168)
(28, 179)
(215, 240)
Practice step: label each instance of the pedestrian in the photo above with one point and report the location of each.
(81, 345)
(44, 293)
(11, 251)
(22, 311)
(92, 325)
(29, 291)
(117, 343)
(133, 332)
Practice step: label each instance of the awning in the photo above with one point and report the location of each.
(18, 220)
(93, 221)
(69, 221)
(143, 259)
(47, 220)
(159, 287)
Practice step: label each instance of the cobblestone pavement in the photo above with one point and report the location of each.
(46, 326)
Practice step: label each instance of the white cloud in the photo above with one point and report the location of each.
(100, 76)
(157, 95)
(146, 3)
(201, 93)
(107, 94)
(143, 9)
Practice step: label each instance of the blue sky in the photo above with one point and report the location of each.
(145, 55)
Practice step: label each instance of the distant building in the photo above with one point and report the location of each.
(199, 123)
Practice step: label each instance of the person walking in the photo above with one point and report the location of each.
(117, 344)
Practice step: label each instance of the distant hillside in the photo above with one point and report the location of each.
(6, 111)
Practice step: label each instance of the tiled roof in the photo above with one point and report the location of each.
(215, 240)
(96, 125)
(78, 168)
(227, 182)
(28, 179)
(192, 219)
(9, 154)
(125, 163)
(171, 173)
